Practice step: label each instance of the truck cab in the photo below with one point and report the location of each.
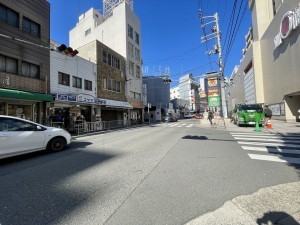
(248, 114)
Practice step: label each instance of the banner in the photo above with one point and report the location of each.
(214, 101)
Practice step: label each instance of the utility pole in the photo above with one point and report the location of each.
(216, 33)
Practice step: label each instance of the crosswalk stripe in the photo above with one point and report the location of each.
(275, 158)
(269, 144)
(272, 150)
(190, 125)
(282, 140)
(258, 136)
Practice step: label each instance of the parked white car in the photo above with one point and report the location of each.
(19, 136)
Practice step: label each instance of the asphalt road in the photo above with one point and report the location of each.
(159, 174)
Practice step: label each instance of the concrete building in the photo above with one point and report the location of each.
(189, 90)
(268, 72)
(73, 86)
(174, 92)
(158, 95)
(25, 59)
(119, 29)
(111, 80)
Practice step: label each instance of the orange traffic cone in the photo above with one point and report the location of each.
(269, 124)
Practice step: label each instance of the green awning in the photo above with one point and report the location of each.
(15, 94)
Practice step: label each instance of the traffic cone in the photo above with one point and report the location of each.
(269, 124)
(257, 126)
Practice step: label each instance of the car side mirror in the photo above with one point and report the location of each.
(39, 128)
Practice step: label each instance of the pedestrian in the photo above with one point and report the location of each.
(268, 114)
(210, 116)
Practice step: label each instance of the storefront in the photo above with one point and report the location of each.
(28, 105)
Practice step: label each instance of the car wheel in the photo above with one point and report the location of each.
(56, 144)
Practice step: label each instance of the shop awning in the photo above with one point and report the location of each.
(118, 104)
(15, 94)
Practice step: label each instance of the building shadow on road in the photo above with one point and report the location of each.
(274, 217)
(42, 188)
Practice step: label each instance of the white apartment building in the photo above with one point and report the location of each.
(188, 90)
(174, 93)
(119, 29)
(73, 85)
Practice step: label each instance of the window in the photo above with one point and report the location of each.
(137, 38)
(135, 95)
(77, 82)
(137, 71)
(9, 16)
(31, 27)
(30, 70)
(63, 79)
(130, 49)
(131, 68)
(104, 57)
(8, 124)
(87, 32)
(118, 88)
(111, 85)
(8, 64)
(110, 60)
(88, 85)
(137, 54)
(130, 31)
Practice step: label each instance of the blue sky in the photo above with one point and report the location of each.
(170, 32)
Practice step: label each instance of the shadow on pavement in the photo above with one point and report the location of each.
(277, 218)
(42, 188)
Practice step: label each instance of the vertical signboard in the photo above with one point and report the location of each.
(213, 92)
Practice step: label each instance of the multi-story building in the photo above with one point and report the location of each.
(111, 80)
(73, 86)
(189, 90)
(269, 73)
(119, 29)
(174, 92)
(25, 59)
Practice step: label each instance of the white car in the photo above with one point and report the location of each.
(19, 136)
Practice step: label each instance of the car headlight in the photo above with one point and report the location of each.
(241, 119)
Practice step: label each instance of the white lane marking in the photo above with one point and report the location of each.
(190, 125)
(173, 125)
(268, 144)
(279, 137)
(267, 140)
(272, 150)
(275, 158)
(261, 134)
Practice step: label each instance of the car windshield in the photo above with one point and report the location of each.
(256, 108)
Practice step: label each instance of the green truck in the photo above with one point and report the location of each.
(248, 114)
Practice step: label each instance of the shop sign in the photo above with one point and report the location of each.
(213, 91)
(214, 101)
(289, 22)
(100, 101)
(4, 80)
(72, 98)
(212, 82)
(62, 97)
(85, 98)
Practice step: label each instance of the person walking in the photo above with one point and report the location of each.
(210, 116)
(268, 114)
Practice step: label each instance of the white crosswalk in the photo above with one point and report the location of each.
(175, 125)
(270, 147)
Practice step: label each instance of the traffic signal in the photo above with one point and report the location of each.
(67, 50)
(167, 80)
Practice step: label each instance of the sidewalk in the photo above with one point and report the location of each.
(272, 205)
(278, 126)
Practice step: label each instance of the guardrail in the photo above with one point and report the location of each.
(90, 127)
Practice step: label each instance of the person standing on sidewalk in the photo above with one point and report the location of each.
(268, 114)
(210, 116)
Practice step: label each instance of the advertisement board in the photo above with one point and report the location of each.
(214, 101)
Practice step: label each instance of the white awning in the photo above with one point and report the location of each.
(118, 104)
